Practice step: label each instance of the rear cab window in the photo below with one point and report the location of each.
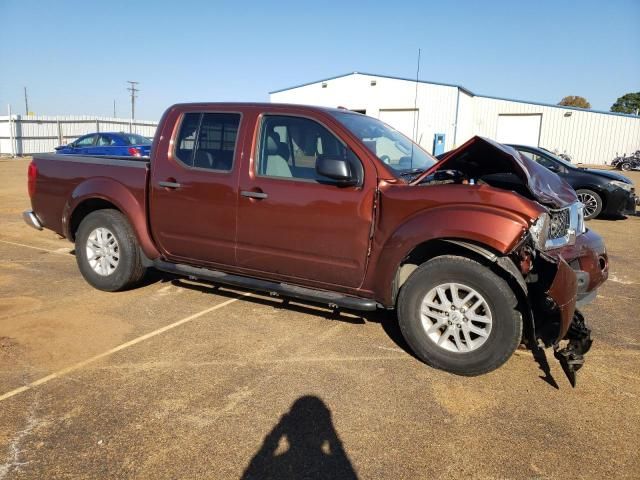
(208, 140)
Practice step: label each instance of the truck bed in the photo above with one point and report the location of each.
(63, 180)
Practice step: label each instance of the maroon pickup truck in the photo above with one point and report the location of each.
(334, 207)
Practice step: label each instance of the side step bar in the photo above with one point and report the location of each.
(331, 299)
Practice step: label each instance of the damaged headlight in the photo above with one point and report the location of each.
(540, 231)
(558, 227)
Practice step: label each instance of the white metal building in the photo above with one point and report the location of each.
(27, 134)
(441, 116)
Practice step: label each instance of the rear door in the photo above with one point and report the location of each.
(295, 224)
(105, 145)
(194, 189)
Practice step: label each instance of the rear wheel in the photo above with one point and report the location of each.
(592, 203)
(459, 316)
(107, 251)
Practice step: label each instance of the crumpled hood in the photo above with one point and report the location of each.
(481, 156)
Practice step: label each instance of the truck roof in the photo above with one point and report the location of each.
(241, 105)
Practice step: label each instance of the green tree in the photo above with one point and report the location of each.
(629, 103)
(574, 101)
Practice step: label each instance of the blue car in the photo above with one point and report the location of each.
(108, 143)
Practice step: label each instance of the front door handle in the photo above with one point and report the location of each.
(250, 194)
(169, 184)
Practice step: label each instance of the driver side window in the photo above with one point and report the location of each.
(291, 146)
(545, 162)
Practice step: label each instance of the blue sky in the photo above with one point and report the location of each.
(75, 56)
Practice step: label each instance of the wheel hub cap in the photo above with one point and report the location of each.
(589, 202)
(456, 317)
(102, 251)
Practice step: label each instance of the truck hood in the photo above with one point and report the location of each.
(481, 156)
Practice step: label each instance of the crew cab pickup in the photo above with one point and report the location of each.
(331, 206)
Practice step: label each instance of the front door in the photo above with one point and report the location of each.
(295, 223)
(194, 190)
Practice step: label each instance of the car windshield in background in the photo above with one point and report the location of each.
(558, 158)
(134, 139)
(402, 155)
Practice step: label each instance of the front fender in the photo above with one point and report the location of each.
(132, 204)
(496, 228)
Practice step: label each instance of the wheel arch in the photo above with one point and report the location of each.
(500, 264)
(103, 193)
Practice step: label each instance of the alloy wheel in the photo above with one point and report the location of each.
(456, 317)
(590, 204)
(102, 251)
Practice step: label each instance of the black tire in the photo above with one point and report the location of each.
(592, 201)
(506, 328)
(626, 166)
(129, 269)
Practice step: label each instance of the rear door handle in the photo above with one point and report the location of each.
(169, 184)
(250, 194)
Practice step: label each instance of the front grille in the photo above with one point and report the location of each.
(559, 223)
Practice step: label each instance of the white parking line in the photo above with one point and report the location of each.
(128, 344)
(57, 252)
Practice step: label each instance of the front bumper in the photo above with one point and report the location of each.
(565, 279)
(621, 202)
(572, 276)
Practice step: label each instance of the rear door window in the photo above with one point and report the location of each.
(105, 141)
(208, 140)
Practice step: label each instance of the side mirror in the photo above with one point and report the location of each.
(554, 168)
(337, 169)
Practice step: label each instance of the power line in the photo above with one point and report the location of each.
(132, 88)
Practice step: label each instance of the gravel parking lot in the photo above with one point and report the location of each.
(181, 380)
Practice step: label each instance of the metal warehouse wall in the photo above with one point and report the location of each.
(24, 135)
(589, 137)
(436, 103)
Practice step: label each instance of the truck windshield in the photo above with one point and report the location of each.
(403, 156)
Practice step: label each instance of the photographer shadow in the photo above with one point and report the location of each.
(303, 444)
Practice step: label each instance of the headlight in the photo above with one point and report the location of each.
(626, 186)
(539, 231)
(558, 228)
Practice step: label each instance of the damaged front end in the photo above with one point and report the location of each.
(556, 260)
(557, 263)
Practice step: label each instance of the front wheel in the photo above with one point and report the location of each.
(107, 251)
(459, 316)
(626, 166)
(592, 203)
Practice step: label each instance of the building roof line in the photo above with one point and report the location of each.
(465, 90)
(374, 75)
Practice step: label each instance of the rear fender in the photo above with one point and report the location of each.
(120, 197)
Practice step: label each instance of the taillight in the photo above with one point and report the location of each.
(32, 173)
(134, 152)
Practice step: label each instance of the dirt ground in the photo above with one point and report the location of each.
(181, 380)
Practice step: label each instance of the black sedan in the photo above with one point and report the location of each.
(602, 192)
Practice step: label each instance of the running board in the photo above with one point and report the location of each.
(275, 289)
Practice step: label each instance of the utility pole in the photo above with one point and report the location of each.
(26, 102)
(114, 108)
(132, 88)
